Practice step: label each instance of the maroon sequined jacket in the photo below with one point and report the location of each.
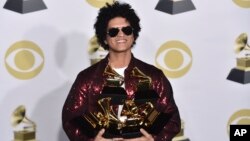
(89, 83)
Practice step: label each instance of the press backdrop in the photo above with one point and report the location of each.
(41, 52)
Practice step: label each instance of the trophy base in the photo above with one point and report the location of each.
(126, 133)
(24, 135)
(24, 6)
(131, 135)
(175, 7)
(239, 76)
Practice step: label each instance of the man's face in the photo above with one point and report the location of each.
(122, 42)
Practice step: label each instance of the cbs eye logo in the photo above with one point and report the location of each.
(174, 58)
(242, 3)
(99, 3)
(241, 117)
(24, 60)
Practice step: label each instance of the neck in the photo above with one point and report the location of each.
(119, 60)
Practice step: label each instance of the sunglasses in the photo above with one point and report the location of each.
(112, 32)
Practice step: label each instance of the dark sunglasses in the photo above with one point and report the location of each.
(112, 32)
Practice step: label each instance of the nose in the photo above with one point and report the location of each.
(120, 33)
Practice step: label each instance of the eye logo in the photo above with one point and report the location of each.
(99, 3)
(241, 117)
(174, 58)
(24, 60)
(242, 3)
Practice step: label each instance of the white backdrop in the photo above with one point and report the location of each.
(206, 99)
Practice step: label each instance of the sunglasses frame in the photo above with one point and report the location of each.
(127, 30)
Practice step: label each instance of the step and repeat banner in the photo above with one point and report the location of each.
(201, 46)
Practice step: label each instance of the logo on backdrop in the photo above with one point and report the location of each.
(24, 60)
(237, 121)
(99, 3)
(96, 52)
(174, 58)
(25, 6)
(242, 3)
(175, 6)
(24, 128)
(241, 73)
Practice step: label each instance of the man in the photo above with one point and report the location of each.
(117, 28)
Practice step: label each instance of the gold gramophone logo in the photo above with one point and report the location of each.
(24, 60)
(174, 58)
(241, 73)
(242, 3)
(99, 3)
(24, 128)
(96, 52)
(241, 117)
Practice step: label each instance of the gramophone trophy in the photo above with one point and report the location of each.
(25, 6)
(136, 113)
(96, 52)
(99, 3)
(24, 128)
(241, 73)
(175, 6)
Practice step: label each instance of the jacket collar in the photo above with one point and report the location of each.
(131, 64)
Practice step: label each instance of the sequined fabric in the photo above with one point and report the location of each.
(89, 83)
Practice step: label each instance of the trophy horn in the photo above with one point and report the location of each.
(105, 105)
(137, 73)
(241, 43)
(110, 72)
(93, 45)
(18, 116)
(107, 109)
(144, 80)
(113, 78)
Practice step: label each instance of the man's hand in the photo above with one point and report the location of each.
(99, 136)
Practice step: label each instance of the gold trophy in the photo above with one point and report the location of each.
(136, 113)
(241, 73)
(134, 118)
(96, 52)
(24, 128)
(175, 6)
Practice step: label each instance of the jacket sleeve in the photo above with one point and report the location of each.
(74, 106)
(166, 104)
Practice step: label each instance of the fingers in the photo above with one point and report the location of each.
(100, 133)
(99, 137)
(145, 133)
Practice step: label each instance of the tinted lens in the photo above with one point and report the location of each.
(127, 30)
(113, 32)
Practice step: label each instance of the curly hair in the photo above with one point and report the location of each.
(111, 11)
